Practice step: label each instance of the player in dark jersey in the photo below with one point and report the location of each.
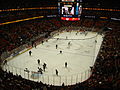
(66, 64)
(38, 61)
(30, 53)
(56, 72)
(44, 66)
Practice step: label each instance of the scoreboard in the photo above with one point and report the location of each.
(70, 9)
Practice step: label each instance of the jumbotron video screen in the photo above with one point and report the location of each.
(70, 9)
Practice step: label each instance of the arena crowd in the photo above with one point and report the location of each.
(105, 72)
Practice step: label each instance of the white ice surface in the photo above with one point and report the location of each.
(80, 55)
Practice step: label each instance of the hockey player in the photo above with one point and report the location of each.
(56, 46)
(76, 33)
(65, 64)
(95, 41)
(69, 43)
(60, 52)
(46, 40)
(56, 72)
(86, 33)
(38, 61)
(42, 42)
(91, 68)
(57, 38)
(35, 45)
(66, 37)
(44, 67)
(5, 62)
(40, 70)
(30, 53)
(26, 70)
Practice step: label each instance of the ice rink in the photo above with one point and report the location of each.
(78, 50)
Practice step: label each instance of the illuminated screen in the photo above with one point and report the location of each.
(68, 10)
(80, 10)
(71, 10)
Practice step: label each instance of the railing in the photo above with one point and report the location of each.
(49, 79)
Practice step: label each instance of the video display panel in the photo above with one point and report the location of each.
(71, 9)
(68, 10)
